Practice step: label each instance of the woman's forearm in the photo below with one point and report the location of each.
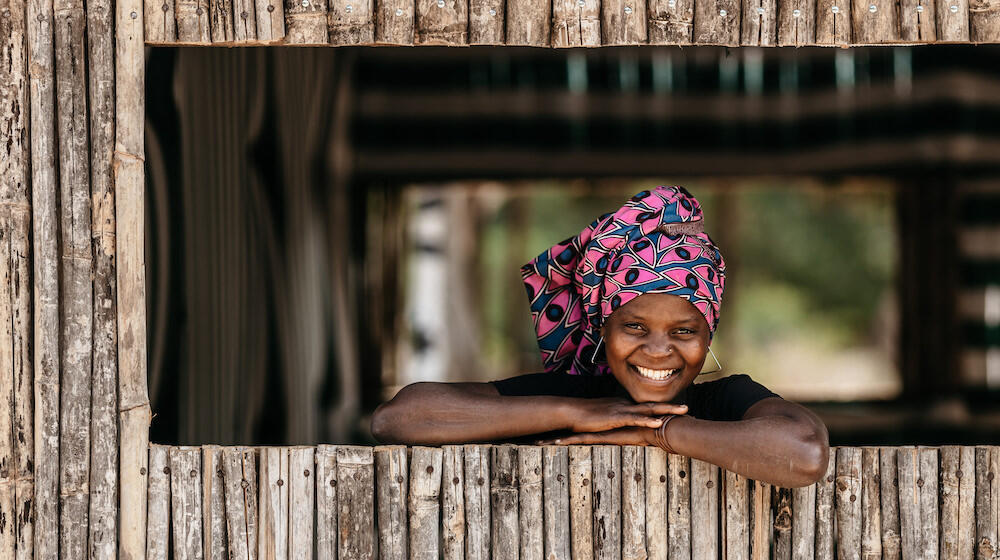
(773, 449)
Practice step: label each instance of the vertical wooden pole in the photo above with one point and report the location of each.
(576, 25)
(442, 24)
(607, 502)
(871, 508)
(670, 22)
(477, 502)
(555, 468)
(391, 482)
(928, 488)
(356, 503)
(633, 503)
(129, 180)
(804, 522)
(987, 501)
(272, 516)
(305, 22)
(889, 495)
(957, 502)
(760, 521)
(657, 541)
(425, 502)
(825, 510)
(581, 502)
(705, 517)
(529, 475)
(326, 502)
(486, 22)
(736, 522)
(214, 503)
(158, 538)
(782, 523)
(185, 502)
(848, 492)
(452, 503)
(160, 22)
(679, 507)
(504, 485)
(301, 501)
(240, 479)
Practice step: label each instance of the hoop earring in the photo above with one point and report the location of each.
(718, 366)
(593, 359)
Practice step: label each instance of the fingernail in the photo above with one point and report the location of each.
(656, 421)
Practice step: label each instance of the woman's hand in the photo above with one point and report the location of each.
(603, 415)
(620, 436)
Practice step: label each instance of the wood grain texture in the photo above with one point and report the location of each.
(160, 21)
(957, 490)
(394, 22)
(671, 22)
(486, 22)
(952, 19)
(271, 21)
(782, 500)
(759, 25)
(186, 502)
(326, 502)
(529, 22)
(623, 22)
(804, 522)
(833, 22)
(477, 502)
(871, 508)
(916, 21)
(576, 25)
(442, 22)
(607, 502)
(984, 21)
(848, 499)
(929, 525)
(760, 520)
(301, 501)
(874, 21)
(214, 503)
(504, 486)
(351, 22)
(272, 528)
(657, 540)
(889, 496)
(356, 503)
(158, 537)
(918, 513)
(452, 503)
(717, 22)
(736, 520)
(239, 468)
(244, 20)
(679, 506)
(306, 22)
(987, 502)
(193, 24)
(425, 502)
(705, 486)
(530, 508)
(555, 482)
(796, 23)
(391, 475)
(581, 502)
(633, 503)
(825, 494)
(221, 22)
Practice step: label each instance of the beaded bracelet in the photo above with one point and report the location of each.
(661, 434)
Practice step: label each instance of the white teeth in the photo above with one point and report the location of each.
(657, 374)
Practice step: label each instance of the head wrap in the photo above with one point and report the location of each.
(653, 244)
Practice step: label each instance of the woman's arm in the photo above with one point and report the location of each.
(440, 413)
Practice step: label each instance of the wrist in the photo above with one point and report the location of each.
(661, 435)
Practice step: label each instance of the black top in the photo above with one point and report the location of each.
(723, 399)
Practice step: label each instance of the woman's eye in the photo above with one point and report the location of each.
(633, 326)
(684, 331)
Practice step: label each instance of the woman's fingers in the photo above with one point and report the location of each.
(622, 436)
(650, 415)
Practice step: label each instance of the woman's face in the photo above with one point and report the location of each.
(656, 346)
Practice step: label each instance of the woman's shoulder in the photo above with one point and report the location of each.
(727, 398)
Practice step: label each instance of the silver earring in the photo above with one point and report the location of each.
(593, 359)
(718, 366)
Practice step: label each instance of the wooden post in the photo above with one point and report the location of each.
(736, 522)
(326, 502)
(356, 504)
(804, 522)
(271, 21)
(918, 501)
(916, 21)
(623, 22)
(929, 528)
(958, 531)
(452, 503)
(796, 23)
(952, 20)
(825, 510)
(442, 22)
(871, 518)
(657, 541)
(679, 507)
(782, 523)
(159, 503)
(760, 521)
(301, 501)
(185, 502)
(221, 23)
(486, 22)
(391, 481)
(607, 502)
(874, 21)
(477, 502)
(984, 21)
(424, 502)
(705, 517)
(504, 525)
(555, 481)
(306, 22)
(532, 524)
(581, 502)
(214, 503)
(394, 22)
(987, 502)
(160, 21)
(574, 25)
(717, 22)
(759, 23)
(833, 22)
(633, 503)
(848, 492)
(272, 517)
(889, 495)
(529, 22)
(244, 22)
(671, 22)
(193, 24)
(351, 22)
(240, 480)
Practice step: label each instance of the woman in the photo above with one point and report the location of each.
(624, 314)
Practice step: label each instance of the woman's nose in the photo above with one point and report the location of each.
(658, 347)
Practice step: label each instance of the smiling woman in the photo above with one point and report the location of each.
(643, 287)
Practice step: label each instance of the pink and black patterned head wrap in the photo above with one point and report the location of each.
(653, 244)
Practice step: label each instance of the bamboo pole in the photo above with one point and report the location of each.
(301, 501)
(504, 484)
(477, 502)
(326, 502)
(129, 180)
(581, 517)
(158, 538)
(391, 482)
(425, 502)
(529, 474)
(657, 542)
(679, 507)
(452, 503)
(705, 518)
(46, 278)
(607, 502)
(555, 468)
(186, 502)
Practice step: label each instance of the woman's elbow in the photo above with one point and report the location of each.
(815, 456)
(384, 424)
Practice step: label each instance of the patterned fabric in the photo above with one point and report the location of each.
(653, 244)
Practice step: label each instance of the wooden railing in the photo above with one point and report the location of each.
(603, 502)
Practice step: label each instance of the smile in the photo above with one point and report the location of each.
(656, 374)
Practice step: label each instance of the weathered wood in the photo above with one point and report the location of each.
(159, 19)
(193, 24)
(326, 502)
(958, 531)
(704, 518)
(239, 468)
(918, 501)
(889, 497)
(391, 481)
(952, 18)
(221, 21)
(916, 21)
(679, 507)
(555, 481)
(271, 20)
(185, 502)
(442, 22)
(848, 492)
(425, 502)
(717, 22)
(623, 22)
(633, 503)
(244, 20)
(760, 521)
(671, 22)
(871, 518)
(504, 523)
(272, 518)
(874, 21)
(452, 503)
(984, 21)
(530, 514)
(486, 22)
(306, 22)
(351, 22)
(581, 502)
(394, 22)
(929, 528)
(825, 493)
(158, 537)
(301, 501)
(477, 502)
(804, 522)
(574, 25)
(7, 471)
(528, 22)
(987, 502)
(796, 23)
(782, 500)
(356, 503)
(607, 502)
(833, 22)
(657, 541)
(736, 521)
(213, 499)
(759, 23)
